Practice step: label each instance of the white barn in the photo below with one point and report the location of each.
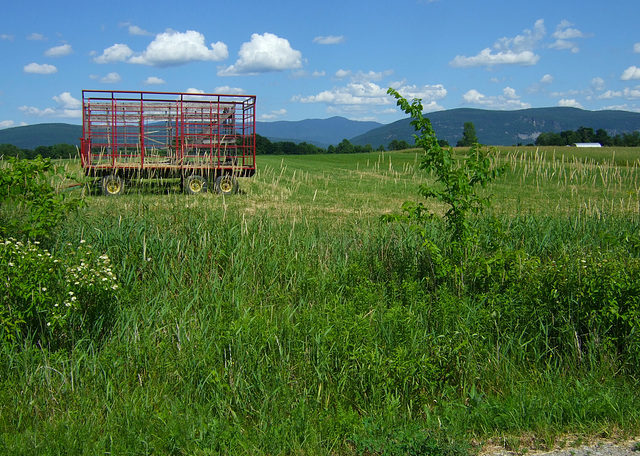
(586, 145)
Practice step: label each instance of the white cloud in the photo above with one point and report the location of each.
(37, 68)
(569, 103)
(153, 80)
(59, 51)
(507, 51)
(428, 93)
(262, 54)
(167, 49)
(474, 97)
(68, 107)
(300, 74)
(341, 74)
(31, 111)
(6, 124)
(229, 90)
(508, 100)
(566, 93)
(632, 93)
(111, 78)
(564, 32)
(176, 48)
(564, 44)
(632, 72)
(276, 114)
(598, 84)
(360, 94)
(371, 75)
(330, 39)
(7, 37)
(36, 37)
(636, 48)
(609, 94)
(486, 57)
(623, 107)
(135, 30)
(117, 53)
(546, 79)
(351, 94)
(67, 101)
(525, 42)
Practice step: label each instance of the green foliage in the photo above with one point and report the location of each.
(399, 145)
(469, 137)
(31, 207)
(55, 151)
(591, 302)
(264, 146)
(290, 321)
(53, 299)
(393, 439)
(588, 135)
(458, 180)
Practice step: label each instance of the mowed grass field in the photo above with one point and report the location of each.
(538, 180)
(290, 319)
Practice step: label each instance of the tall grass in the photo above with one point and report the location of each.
(289, 319)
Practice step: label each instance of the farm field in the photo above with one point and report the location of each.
(291, 318)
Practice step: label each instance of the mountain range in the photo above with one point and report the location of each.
(498, 128)
(505, 128)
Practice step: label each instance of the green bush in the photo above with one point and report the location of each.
(54, 299)
(31, 207)
(579, 306)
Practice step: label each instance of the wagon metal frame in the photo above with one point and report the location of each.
(195, 137)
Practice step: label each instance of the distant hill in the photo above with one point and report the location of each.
(46, 134)
(498, 128)
(505, 128)
(320, 132)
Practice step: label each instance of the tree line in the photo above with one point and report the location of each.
(55, 151)
(588, 135)
(264, 146)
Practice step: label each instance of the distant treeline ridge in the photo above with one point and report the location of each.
(588, 135)
(55, 151)
(264, 146)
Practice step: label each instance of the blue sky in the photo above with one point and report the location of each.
(317, 59)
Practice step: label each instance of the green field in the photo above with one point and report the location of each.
(289, 319)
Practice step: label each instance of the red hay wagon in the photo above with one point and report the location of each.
(198, 138)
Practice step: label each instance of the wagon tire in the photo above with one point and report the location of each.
(112, 185)
(226, 185)
(195, 184)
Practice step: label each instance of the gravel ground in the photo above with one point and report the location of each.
(604, 448)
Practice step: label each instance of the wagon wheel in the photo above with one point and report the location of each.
(112, 185)
(226, 185)
(195, 184)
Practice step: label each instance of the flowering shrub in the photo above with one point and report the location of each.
(54, 299)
